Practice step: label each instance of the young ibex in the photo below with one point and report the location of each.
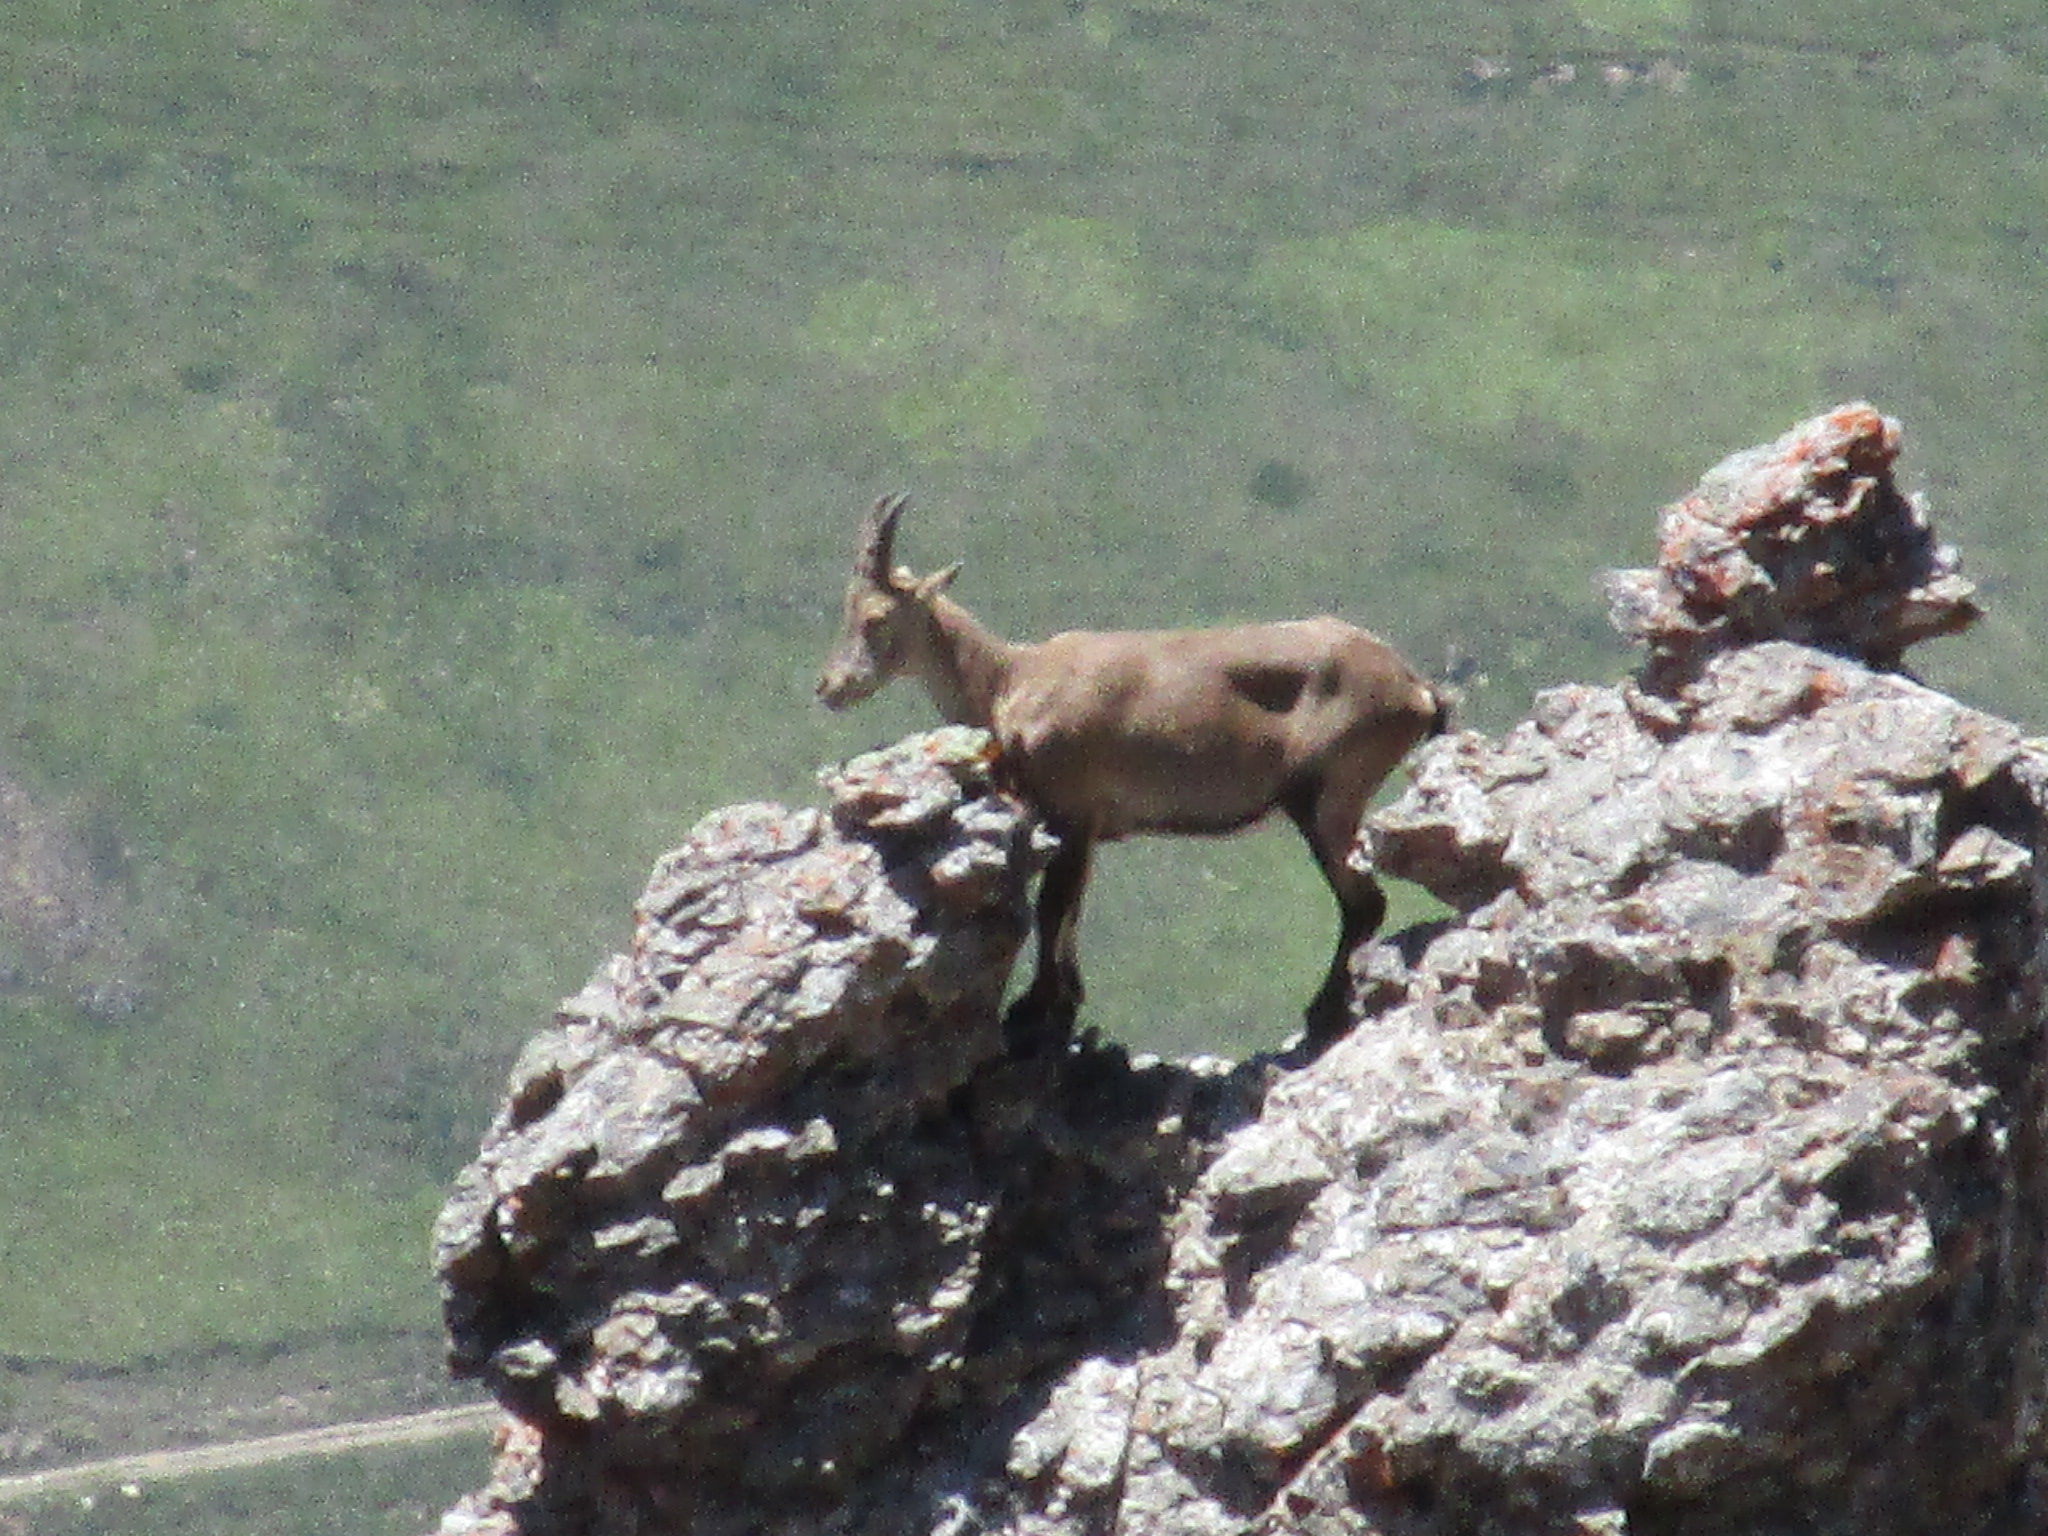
(1177, 731)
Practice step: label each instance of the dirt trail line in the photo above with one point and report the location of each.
(153, 1466)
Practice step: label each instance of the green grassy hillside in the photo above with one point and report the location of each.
(432, 436)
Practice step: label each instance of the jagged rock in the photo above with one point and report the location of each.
(766, 1207)
(1688, 1180)
(1805, 539)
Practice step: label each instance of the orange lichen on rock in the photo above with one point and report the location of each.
(1807, 539)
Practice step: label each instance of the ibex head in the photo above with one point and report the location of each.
(888, 613)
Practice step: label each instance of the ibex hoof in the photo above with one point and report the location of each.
(1036, 1026)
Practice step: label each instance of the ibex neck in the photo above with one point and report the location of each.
(966, 668)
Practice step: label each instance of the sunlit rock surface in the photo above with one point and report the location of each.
(1806, 539)
(1688, 1180)
(767, 1225)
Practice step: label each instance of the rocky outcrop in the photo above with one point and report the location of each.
(767, 1227)
(1687, 1179)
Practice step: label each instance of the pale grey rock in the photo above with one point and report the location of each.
(1687, 1180)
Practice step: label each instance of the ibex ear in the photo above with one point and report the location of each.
(925, 588)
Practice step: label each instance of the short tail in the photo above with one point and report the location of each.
(1446, 706)
(1449, 687)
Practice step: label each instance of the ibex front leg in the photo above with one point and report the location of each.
(1044, 1016)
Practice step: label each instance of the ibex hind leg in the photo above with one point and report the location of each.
(1328, 816)
(1360, 915)
(1043, 1018)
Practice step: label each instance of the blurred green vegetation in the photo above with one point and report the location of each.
(394, 1492)
(433, 436)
